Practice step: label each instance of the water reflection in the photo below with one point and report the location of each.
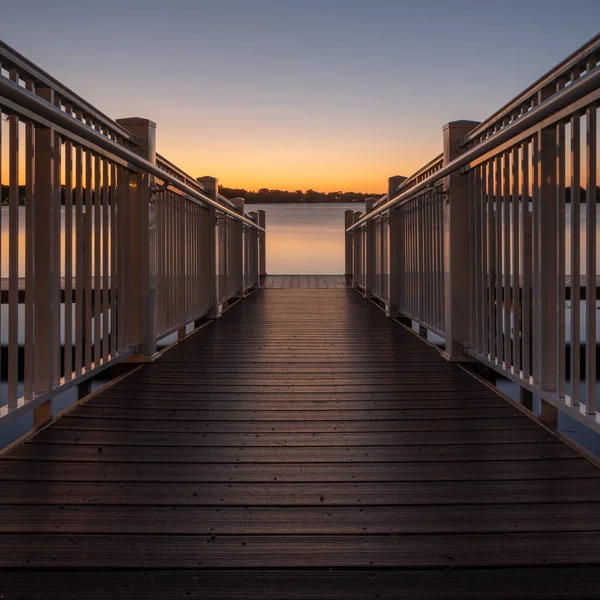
(305, 239)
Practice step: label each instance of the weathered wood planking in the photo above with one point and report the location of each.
(300, 434)
(306, 282)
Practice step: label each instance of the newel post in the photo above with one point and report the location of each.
(457, 278)
(262, 242)
(47, 206)
(236, 257)
(348, 238)
(357, 251)
(211, 185)
(370, 249)
(396, 259)
(141, 311)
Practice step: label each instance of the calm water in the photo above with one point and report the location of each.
(305, 239)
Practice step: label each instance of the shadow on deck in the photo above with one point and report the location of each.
(302, 446)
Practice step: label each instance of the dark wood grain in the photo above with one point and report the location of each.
(301, 432)
(304, 584)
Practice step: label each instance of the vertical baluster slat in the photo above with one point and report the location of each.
(482, 226)
(516, 277)
(575, 258)
(506, 272)
(13, 254)
(526, 247)
(560, 231)
(590, 297)
(115, 249)
(492, 249)
(536, 272)
(87, 250)
(105, 309)
(29, 249)
(498, 268)
(58, 257)
(97, 279)
(68, 294)
(79, 262)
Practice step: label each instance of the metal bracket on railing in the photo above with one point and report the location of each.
(154, 189)
(435, 191)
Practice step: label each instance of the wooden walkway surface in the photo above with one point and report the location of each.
(302, 446)
(310, 282)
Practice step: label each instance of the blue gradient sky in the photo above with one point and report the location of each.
(334, 94)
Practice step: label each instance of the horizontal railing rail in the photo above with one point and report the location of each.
(484, 245)
(563, 74)
(19, 98)
(32, 74)
(549, 109)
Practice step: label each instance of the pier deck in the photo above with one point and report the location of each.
(301, 446)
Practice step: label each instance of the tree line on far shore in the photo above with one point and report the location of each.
(266, 196)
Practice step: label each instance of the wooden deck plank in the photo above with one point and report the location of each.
(291, 454)
(303, 520)
(59, 550)
(288, 427)
(299, 494)
(317, 439)
(203, 472)
(448, 584)
(303, 430)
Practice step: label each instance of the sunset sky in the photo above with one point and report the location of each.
(327, 94)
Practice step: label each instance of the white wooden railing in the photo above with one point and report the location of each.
(477, 246)
(107, 247)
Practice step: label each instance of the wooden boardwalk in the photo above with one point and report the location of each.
(310, 282)
(302, 446)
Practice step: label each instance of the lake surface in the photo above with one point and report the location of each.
(305, 239)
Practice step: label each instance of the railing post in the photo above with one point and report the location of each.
(45, 312)
(236, 258)
(396, 261)
(348, 237)
(211, 185)
(357, 258)
(262, 241)
(545, 236)
(371, 250)
(457, 276)
(254, 250)
(141, 270)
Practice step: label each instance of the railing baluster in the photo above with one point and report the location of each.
(29, 255)
(492, 249)
(560, 274)
(516, 277)
(105, 260)
(87, 251)
(590, 297)
(68, 293)
(526, 250)
(79, 262)
(97, 279)
(483, 271)
(57, 265)
(508, 359)
(13, 254)
(575, 258)
(115, 249)
(498, 255)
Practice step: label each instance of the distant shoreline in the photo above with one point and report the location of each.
(358, 201)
